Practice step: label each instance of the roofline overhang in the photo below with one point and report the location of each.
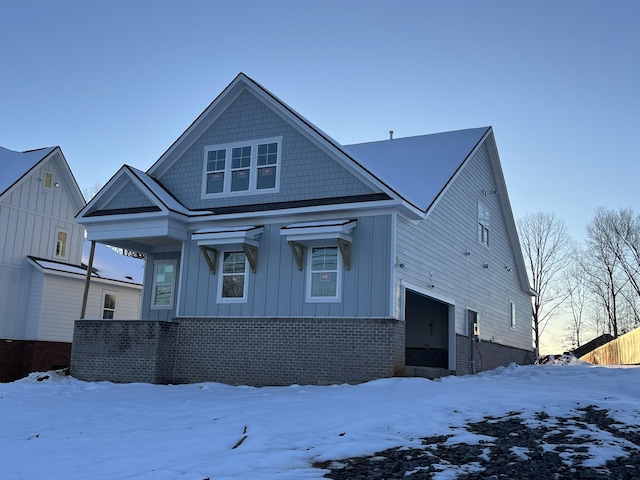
(82, 276)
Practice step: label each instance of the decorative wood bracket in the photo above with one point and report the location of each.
(345, 250)
(298, 252)
(252, 255)
(210, 255)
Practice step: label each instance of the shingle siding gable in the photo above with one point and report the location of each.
(306, 171)
(128, 197)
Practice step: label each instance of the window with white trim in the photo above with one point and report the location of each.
(512, 314)
(241, 168)
(483, 224)
(232, 285)
(60, 250)
(324, 275)
(164, 279)
(109, 306)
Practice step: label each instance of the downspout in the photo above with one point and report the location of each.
(87, 280)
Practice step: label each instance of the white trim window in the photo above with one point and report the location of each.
(109, 306)
(61, 244)
(512, 314)
(232, 285)
(324, 274)
(164, 280)
(242, 167)
(483, 224)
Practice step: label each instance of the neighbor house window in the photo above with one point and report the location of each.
(48, 179)
(483, 224)
(164, 279)
(61, 243)
(109, 306)
(245, 167)
(323, 282)
(233, 277)
(512, 314)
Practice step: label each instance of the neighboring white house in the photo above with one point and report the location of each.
(275, 255)
(42, 266)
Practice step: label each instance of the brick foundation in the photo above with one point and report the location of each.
(18, 358)
(490, 355)
(247, 351)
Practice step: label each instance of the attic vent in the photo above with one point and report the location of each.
(390, 134)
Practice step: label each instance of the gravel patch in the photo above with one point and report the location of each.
(511, 447)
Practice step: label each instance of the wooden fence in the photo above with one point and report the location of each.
(624, 350)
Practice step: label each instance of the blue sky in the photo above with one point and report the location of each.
(117, 82)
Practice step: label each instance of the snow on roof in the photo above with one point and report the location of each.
(108, 263)
(13, 165)
(164, 196)
(418, 167)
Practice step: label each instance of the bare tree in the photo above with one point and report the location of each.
(575, 282)
(613, 278)
(89, 192)
(546, 247)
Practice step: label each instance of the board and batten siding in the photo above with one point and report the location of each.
(30, 214)
(147, 312)
(29, 217)
(434, 254)
(278, 287)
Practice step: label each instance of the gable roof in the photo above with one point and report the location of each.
(420, 167)
(15, 166)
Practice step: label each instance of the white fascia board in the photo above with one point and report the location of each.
(139, 228)
(457, 172)
(228, 236)
(308, 237)
(94, 279)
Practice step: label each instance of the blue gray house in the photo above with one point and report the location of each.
(275, 255)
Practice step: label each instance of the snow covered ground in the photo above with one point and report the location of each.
(57, 427)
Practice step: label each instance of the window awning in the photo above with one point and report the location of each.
(306, 233)
(228, 235)
(244, 236)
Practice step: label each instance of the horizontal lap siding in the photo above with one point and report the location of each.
(278, 287)
(433, 253)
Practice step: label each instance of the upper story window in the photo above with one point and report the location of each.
(483, 224)
(241, 168)
(324, 274)
(61, 243)
(48, 179)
